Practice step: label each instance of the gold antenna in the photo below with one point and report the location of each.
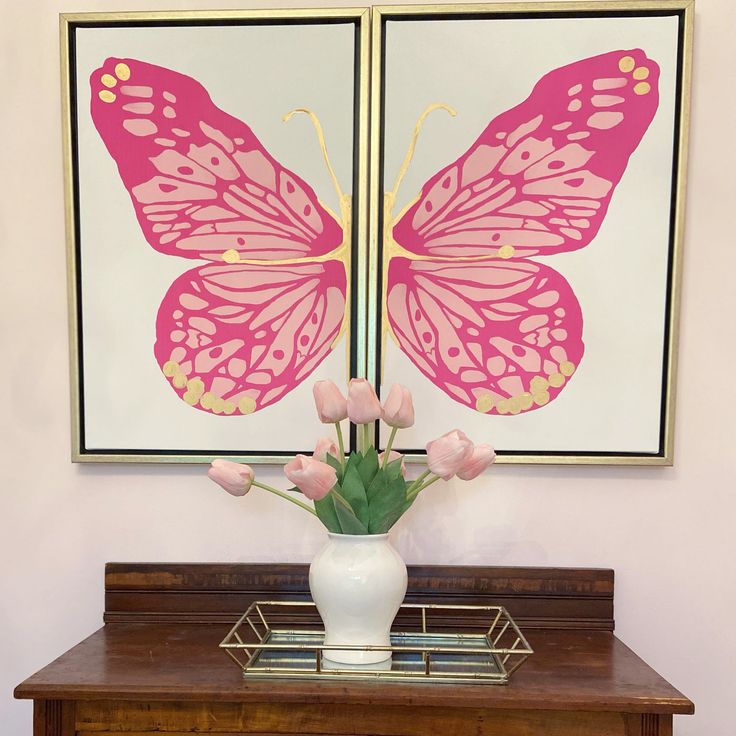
(321, 138)
(417, 128)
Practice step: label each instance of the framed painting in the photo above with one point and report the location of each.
(216, 182)
(527, 216)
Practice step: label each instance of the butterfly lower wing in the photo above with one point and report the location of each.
(235, 338)
(200, 181)
(501, 337)
(540, 177)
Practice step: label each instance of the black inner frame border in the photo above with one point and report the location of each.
(677, 132)
(74, 147)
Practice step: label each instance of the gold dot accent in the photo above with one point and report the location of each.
(642, 88)
(218, 406)
(526, 400)
(106, 96)
(122, 72)
(196, 387)
(247, 405)
(207, 400)
(506, 251)
(538, 384)
(541, 398)
(567, 368)
(108, 80)
(641, 72)
(515, 404)
(503, 406)
(190, 398)
(231, 256)
(170, 368)
(228, 407)
(179, 380)
(484, 403)
(626, 64)
(556, 380)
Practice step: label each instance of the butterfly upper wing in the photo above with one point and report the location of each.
(200, 180)
(501, 337)
(234, 338)
(539, 178)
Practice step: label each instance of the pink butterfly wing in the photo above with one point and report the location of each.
(235, 338)
(501, 337)
(540, 177)
(200, 181)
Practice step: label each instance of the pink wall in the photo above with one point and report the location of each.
(667, 532)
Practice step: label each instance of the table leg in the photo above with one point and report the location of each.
(53, 718)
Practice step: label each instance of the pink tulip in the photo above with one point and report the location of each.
(363, 404)
(393, 455)
(398, 409)
(331, 404)
(235, 478)
(480, 459)
(313, 478)
(447, 454)
(324, 447)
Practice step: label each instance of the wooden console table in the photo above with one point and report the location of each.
(155, 666)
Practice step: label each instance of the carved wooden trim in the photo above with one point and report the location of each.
(54, 718)
(649, 724)
(574, 598)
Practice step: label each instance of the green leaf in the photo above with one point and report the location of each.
(354, 493)
(387, 502)
(334, 463)
(368, 467)
(349, 523)
(353, 461)
(394, 468)
(327, 515)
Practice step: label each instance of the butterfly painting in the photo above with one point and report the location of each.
(267, 301)
(468, 297)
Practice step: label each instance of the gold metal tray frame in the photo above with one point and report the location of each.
(424, 653)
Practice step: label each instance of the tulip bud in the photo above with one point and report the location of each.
(393, 455)
(331, 404)
(398, 409)
(235, 478)
(313, 478)
(480, 459)
(447, 454)
(324, 447)
(363, 404)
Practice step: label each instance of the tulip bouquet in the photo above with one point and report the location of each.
(366, 492)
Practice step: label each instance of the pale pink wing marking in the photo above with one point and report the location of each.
(234, 338)
(200, 180)
(501, 337)
(540, 177)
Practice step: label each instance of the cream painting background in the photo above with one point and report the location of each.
(667, 532)
(256, 74)
(612, 403)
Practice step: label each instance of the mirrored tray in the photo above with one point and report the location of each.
(438, 643)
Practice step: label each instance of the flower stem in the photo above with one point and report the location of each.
(416, 491)
(387, 451)
(417, 482)
(367, 436)
(276, 492)
(340, 444)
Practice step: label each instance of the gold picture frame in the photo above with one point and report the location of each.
(682, 11)
(358, 19)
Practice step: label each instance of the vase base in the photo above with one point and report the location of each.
(383, 665)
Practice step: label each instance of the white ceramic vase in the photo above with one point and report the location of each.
(358, 583)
